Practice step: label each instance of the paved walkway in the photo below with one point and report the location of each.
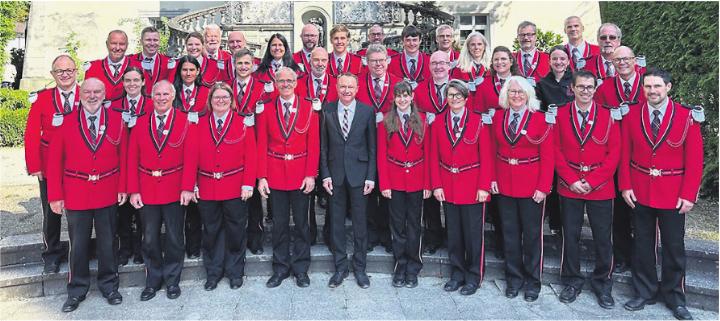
(380, 301)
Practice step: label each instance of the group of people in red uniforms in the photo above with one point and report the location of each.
(393, 139)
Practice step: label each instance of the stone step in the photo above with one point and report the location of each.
(27, 280)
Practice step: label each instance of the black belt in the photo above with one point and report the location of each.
(518, 161)
(91, 177)
(405, 164)
(584, 168)
(286, 156)
(656, 172)
(219, 175)
(159, 172)
(459, 169)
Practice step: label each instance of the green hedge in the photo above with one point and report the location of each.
(14, 108)
(681, 37)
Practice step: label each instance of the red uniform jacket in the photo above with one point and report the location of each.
(661, 171)
(592, 155)
(40, 130)
(228, 72)
(590, 50)
(210, 71)
(366, 92)
(474, 76)
(101, 70)
(143, 106)
(155, 164)
(254, 92)
(221, 163)
(352, 64)
(612, 94)
(363, 52)
(399, 67)
(524, 163)
(288, 154)
(328, 88)
(223, 55)
(161, 70)
(88, 174)
(486, 95)
(403, 157)
(540, 65)
(426, 98)
(461, 165)
(196, 102)
(302, 60)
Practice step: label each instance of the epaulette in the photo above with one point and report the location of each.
(249, 120)
(86, 65)
(640, 60)
(378, 117)
(430, 118)
(697, 112)
(260, 106)
(106, 103)
(171, 63)
(551, 113)
(487, 116)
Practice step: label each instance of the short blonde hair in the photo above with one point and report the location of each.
(532, 103)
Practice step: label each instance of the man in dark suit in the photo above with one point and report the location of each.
(348, 169)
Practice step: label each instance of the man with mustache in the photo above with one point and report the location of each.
(375, 35)
(213, 38)
(310, 36)
(110, 70)
(609, 37)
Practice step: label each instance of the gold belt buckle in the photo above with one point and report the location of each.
(512, 161)
(289, 157)
(93, 178)
(654, 172)
(217, 175)
(156, 173)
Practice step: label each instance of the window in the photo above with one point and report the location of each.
(472, 22)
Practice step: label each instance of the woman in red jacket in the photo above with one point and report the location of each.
(209, 69)
(461, 170)
(403, 152)
(524, 170)
(223, 165)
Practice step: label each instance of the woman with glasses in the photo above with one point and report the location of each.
(403, 152)
(208, 69)
(461, 169)
(523, 172)
(222, 164)
(277, 54)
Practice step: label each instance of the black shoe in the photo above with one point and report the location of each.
(469, 289)
(72, 303)
(452, 286)
(114, 298)
(511, 293)
(302, 280)
(500, 254)
(236, 283)
(680, 312)
(148, 293)
(138, 259)
(122, 260)
(621, 267)
(370, 247)
(398, 280)
(362, 280)
(257, 251)
(605, 300)
(210, 285)
(569, 294)
(52, 267)
(531, 295)
(637, 304)
(411, 281)
(337, 279)
(173, 292)
(276, 279)
(193, 256)
(430, 249)
(388, 249)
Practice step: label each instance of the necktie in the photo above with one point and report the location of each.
(412, 67)
(439, 93)
(241, 90)
(527, 65)
(91, 127)
(583, 125)
(406, 123)
(161, 126)
(132, 106)
(187, 95)
(502, 82)
(477, 68)
(148, 65)
(346, 123)
(317, 88)
(655, 126)
(575, 56)
(377, 89)
(609, 71)
(514, 124)
(219, 126)
(628, 90)
(148, 60)
(456, 125)
(275, 66)
(340, 65)
(286, 114)
(66, 105)
(116, 68)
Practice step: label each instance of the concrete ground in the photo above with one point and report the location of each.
(381, 301)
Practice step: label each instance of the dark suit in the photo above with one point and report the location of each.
(349, 163)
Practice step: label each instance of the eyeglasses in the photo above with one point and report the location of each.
(456, 96)
(606, 37)
(529, 35)
(284, 81)
(585, 88)
(377, 61)
(438, 63)
(219, 98)
(64, 71)
(516, 92)
(623, 59)
(376, 34)
(310, 36)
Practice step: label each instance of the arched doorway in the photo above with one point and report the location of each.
(317, 15)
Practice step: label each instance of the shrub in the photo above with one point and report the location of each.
(12, 126)
(13, 99)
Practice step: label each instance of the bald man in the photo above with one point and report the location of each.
(110, 70)
(310, 36)
(375, 35)
(86, 183)
(577, 48)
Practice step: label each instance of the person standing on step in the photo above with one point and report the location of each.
(110, 69)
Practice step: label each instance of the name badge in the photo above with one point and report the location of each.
(581, 63)
(471, 86)
(221, 64)
(616, 114)
(132, 122)
(57, 120)
(126, 116)
(364, 61)
(531, 81)
(171, 64)
(147, 65)
(269, 87)
(193, 117)
(316, 106)
(378, 117)
(249, 120)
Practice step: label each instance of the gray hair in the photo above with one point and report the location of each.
(211, 27)
(533, 104)
(458, 85)
(572, 17)
(376, 48)
(288, 70)
(163, 82)
(441, 28)
(525, 24)
(612, 25)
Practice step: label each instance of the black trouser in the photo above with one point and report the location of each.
(406, 228)
(53, 251)
(130, 230)
(671, 226)
(255, 228)
(163, 260)
(522, 222)
(224, 237)
(312, 220)
(338, 204)
(600, 216)
(466, 241)
(378, 219)
(193, 229)
(622, 229)
(492, 208)
(434, 233)
(553, 207)
(80, 227)
(283, 202)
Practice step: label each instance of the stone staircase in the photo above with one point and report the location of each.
(21, 266)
